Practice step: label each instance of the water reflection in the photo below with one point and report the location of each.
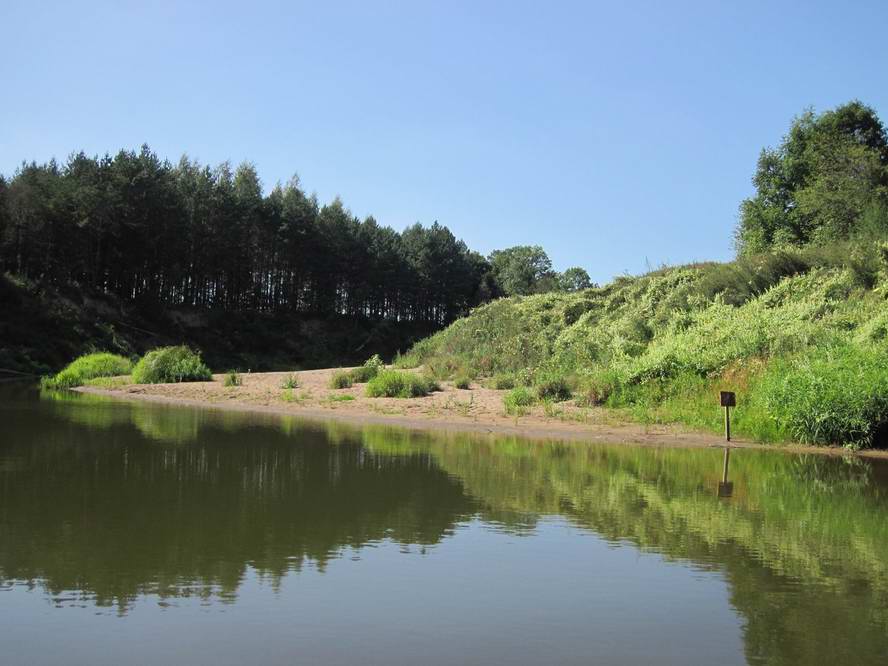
(107, 502)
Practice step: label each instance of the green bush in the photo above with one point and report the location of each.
(366, 372)
(830, 396)
(168, 365)
(341, 380)
(400, 384)
(463, 382)
(553, 388)
(232, 379)
(89, 366)
(503, 382)
(291, 381)
(518, 400)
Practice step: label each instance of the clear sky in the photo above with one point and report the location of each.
(616, 135)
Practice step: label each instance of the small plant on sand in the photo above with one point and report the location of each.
(503, 382)
(232, 379)
(463, 382)
(291, 381)
(368, 371)
(168, 365)
(518, 400)
(341, 380)
(345, 397)
(399, 384)
(86, 367)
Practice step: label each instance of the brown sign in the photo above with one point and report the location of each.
(728, 399)
(725, 488)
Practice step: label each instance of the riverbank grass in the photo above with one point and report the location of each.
(400, 384)
(87, 367)
(168, 365)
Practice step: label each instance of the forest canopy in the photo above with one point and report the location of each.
(149, 231)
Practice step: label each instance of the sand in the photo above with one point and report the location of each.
(478, 409)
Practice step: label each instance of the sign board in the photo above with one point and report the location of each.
(728, 399)
(725, 488)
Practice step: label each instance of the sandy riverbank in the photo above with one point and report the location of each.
(478, 409)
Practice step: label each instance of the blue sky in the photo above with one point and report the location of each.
(616, 135)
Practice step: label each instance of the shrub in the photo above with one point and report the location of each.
(503, 382)
(832, 396)
(366, 372)
(169, 365)
(518, 400)
(463, 382)
(340, 380)
(291, 381)
(400, 384)
(89, 366)
(597, 388)
(553, 388)
(232, 379)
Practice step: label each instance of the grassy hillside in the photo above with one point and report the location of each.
(800, 336)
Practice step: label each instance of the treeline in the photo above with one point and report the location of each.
(143, 229)
(140, 228)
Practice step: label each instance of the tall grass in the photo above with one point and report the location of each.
(830, 396)
(400, 384)
(86, 367)
(167, 365)
(341, 380)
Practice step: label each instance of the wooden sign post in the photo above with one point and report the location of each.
(728, 400)
(725, 487)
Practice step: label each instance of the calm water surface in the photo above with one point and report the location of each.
(135, 533)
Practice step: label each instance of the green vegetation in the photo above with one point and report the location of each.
(662, 345)
(291, 381)
(400, 384)
(826, 182)
(553, 388)
(502, 382)
(341, 380)
(463, 382)
(797, 325)
(89, 366)
(830, 395)
(232, 378)
(518, 400)
(366, 372)
(345, 397)
(170, 365)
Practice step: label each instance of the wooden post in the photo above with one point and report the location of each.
(728, 400)
(725, 487)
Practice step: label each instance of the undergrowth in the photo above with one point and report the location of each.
(799, 335)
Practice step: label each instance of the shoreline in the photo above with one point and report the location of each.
(477, 411)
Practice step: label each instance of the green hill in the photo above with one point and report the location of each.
(796, 325)
(800, 336)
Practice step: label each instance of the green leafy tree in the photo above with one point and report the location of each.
(820, 183)
(522, 270)
(574, 279)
